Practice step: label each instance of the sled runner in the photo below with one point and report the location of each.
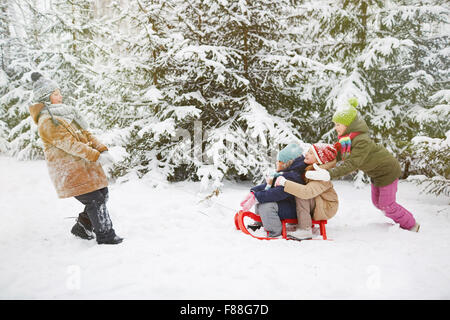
(239, 223)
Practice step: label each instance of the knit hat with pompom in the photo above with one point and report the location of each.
(324, 152)
(346, 114)
(42, 87)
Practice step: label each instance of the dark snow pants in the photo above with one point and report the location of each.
(95, 208)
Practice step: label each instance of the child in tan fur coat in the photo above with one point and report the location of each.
(74, 159)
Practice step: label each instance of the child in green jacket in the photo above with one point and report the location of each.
(359, 152)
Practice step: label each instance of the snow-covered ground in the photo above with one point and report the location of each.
(178, 248)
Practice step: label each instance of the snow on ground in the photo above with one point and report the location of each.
(178, 248)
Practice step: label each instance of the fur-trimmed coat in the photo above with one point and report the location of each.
(71, 154)
(324, 195)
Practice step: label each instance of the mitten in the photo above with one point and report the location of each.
(318, 174)
(249, 203)
(280, 181)
(247, 197)
(105, 158)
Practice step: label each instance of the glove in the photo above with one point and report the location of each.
(105, 158)
(249, 203)
(318, 174)
(280, 181)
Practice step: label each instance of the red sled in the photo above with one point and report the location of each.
(239, 223)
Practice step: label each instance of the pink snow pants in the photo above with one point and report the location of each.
(384, 199)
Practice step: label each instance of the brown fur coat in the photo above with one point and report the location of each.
(71, 154)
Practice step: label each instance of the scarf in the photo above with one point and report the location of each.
(345, 144)
(66, 112)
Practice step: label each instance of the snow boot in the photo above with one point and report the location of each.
(83, 227)
(109, 237)
(300, 234)
(415, 228)
(255, 225)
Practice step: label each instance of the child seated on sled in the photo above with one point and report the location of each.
(317, 199)
(273, 204)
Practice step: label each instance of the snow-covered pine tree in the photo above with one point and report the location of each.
(4, 145)
(71, 46)
(395, 56)
(17, 40)
(420, 91)
(430, 157)
(211, 89)
(317, 70)
(126, 70)
(57, 40)
(192, 87)
(416, 89)
(4, 81)
(236, 63)
(136, 82)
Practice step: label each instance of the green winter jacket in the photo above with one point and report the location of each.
(374, 160)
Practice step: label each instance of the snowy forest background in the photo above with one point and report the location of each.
(211, 90)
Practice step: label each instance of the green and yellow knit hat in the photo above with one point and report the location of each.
(346, 114)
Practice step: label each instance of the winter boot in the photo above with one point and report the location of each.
(300, 234)
(109, 237)
(255, 225)
(415, 228)
(83, 227)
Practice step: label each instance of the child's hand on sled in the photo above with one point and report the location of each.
(318, 174)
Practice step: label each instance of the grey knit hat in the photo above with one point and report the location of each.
(42, 87)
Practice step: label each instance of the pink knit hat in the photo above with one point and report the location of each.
(324, 152)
